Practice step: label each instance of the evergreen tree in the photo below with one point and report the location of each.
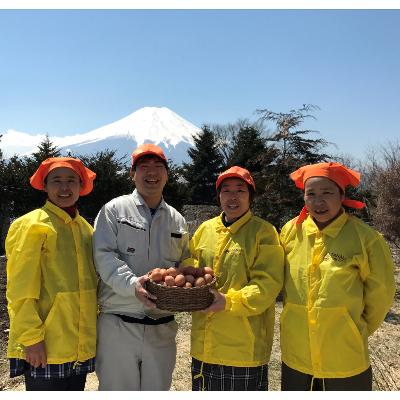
(46, 149)
(16, 195)
(202, 172)
(247, 147)
(279, 199)
(112, 180)
(175, 189)
(294, 146)
(26, 197)
(23, 197)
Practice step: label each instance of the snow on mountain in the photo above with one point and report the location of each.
(158, 125)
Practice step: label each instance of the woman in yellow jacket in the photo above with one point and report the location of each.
(339, 285)
(51, 283)
(231, 340)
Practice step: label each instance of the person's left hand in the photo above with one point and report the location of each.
(219, 302)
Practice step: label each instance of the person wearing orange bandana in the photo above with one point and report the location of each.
(231, 340)
(52, 282)
(339, 285)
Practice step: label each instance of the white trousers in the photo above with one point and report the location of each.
(133, 356)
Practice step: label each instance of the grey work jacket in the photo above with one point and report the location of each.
(127, 243)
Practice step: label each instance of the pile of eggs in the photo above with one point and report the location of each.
(182, 277)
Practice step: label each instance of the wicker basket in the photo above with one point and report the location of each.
(173, 298)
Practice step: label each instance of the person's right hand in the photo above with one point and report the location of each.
(142, 294)
(219, 302)
(36, 354)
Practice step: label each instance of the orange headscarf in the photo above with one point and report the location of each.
(87, 176)
(336, 172)
(236, 172)
(145, 149)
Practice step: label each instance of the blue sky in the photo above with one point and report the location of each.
(70, 71)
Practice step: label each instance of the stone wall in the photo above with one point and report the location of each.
(195, 215)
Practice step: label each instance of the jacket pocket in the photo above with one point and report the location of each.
(173, 253)
(132, 241)
(342, 347)
(294, 338)
(230, 338)
(61, 328)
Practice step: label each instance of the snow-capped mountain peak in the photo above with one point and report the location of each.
(155, 124)
(158, 125)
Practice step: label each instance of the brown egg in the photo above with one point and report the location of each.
(189, 270)
(169, 280)
(156, 276)
(163, 272)
(156, 270)
(180, 269)
(180, 280)
(199, 282)
(190, 279)
(208, 278)
(208, 270)
(188, 285)
(172, 272)
(199, 272)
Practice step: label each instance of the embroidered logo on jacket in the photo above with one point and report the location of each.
(336, 257)
(234, 250)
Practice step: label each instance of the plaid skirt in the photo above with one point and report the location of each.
(20, 367)
(223, 377)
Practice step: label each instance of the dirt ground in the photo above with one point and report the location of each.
(384, 348)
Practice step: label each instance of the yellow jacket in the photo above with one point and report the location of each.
(339, 285)
(51, 285)
(248, 261)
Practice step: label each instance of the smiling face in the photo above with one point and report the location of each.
(234, 197)
(150, 177)
(323, 199)
(63, 186)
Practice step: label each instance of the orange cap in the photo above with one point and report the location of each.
(145, 149)
(236, 172)
(87, 176)
(336, 172)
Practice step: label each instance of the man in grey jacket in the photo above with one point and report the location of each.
(133, 234)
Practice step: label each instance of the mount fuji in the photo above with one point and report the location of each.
(158, 125)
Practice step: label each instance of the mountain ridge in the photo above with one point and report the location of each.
(158, 125)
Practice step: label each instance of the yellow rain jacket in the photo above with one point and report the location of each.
(51, 285)
(339, 285)
(247, 260)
